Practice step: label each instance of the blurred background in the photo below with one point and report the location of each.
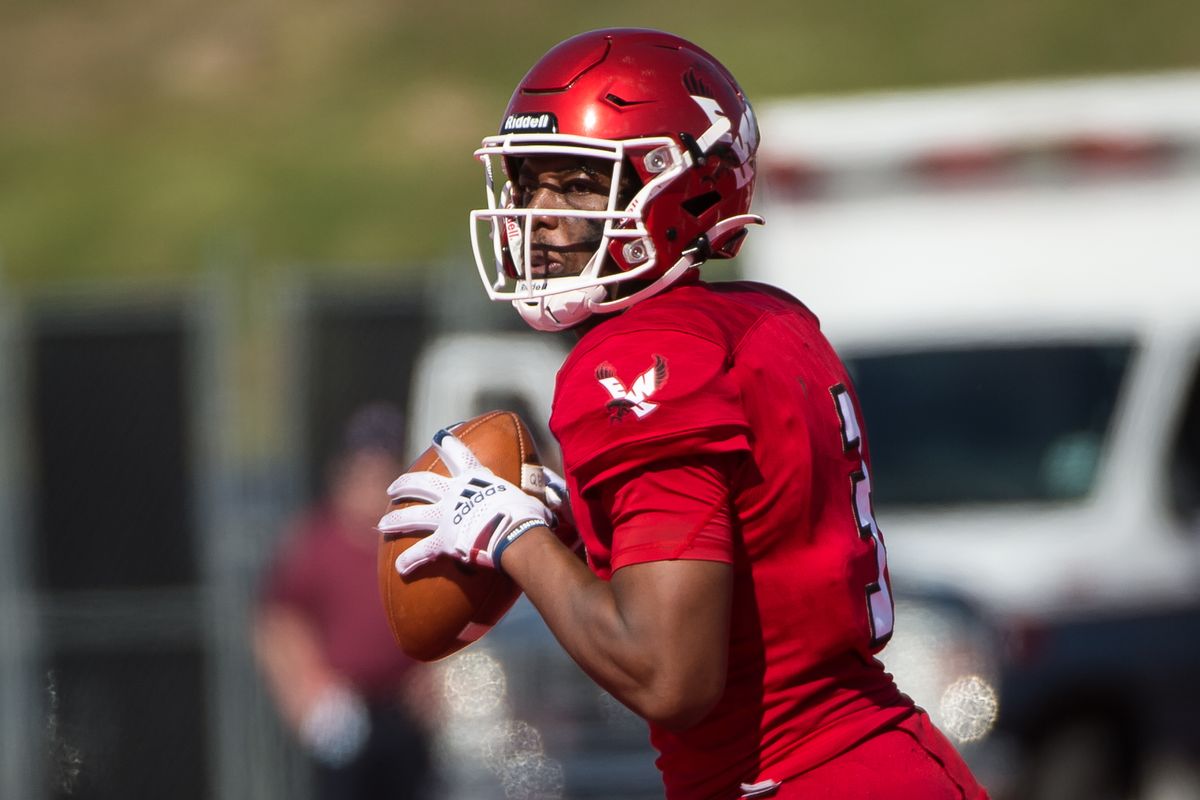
(226, 228)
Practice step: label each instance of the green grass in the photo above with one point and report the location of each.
(140, 138)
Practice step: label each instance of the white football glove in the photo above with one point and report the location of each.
(472, 515)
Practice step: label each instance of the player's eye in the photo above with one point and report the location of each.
(525, 190)
(585, 191)
(581, 186)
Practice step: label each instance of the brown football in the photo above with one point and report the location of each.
(445, 605)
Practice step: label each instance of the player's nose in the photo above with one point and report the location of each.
(544, 198)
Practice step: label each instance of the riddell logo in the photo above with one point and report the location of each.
(530, 123)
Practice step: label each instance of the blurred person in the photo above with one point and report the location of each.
(736, 589)
(322, 640)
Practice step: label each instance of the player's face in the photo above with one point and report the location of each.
(562, 246)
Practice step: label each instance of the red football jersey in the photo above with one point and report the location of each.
(715, 422)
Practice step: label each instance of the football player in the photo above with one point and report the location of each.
(736, 587)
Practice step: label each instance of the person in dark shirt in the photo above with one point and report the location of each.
(321, 638)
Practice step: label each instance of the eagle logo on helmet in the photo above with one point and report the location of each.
(695, 86)
(636, 398)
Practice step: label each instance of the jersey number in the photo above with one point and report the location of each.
(880, 611)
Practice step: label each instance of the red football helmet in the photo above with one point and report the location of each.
(646, 101)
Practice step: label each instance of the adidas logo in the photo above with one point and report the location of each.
(471, 497)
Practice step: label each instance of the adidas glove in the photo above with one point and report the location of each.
(472, 515)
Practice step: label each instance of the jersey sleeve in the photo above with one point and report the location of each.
(643, 397)
(676, 509)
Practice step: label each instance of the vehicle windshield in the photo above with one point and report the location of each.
(987, 425)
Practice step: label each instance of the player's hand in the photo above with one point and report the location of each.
(472, 515)
(559, 501)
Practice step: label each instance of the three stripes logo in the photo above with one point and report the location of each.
(472, 495)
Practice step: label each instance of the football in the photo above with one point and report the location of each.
(445, 605)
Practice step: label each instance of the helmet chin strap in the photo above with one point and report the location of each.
(564, 310)
(720, 234)
(716, 236)
(558, 312)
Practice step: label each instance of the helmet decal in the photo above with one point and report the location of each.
(544, 122)
(718, 130)
(695, 85)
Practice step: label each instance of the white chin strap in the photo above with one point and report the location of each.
(558, 312)
(568, 308)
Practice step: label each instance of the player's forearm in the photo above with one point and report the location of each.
(582, 613)
(641, 662)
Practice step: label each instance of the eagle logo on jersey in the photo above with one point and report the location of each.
(637, 397)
